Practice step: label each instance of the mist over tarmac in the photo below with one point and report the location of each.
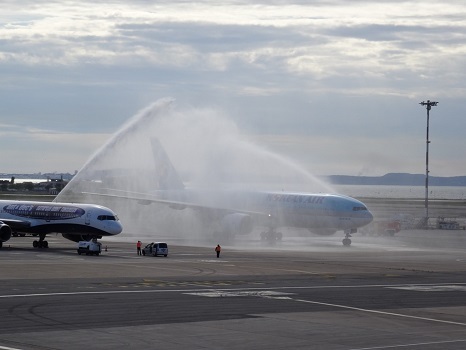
(207, 150)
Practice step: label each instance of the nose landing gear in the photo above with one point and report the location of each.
(347, 241)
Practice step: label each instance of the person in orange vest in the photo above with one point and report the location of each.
(218, 249)
(138, 245)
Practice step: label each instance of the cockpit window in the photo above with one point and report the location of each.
(107, 217)
(359, 208)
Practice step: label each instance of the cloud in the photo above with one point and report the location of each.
(332, 69)
(27, 149)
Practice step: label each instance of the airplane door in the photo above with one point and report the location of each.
(88, 218)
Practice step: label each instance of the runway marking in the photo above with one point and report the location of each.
(223, 289)
(8, 348)
(413, 344)
(222, 294)
(443, 288)
(162, 283)
(290, 270)
(282, 296)
(376, 311)
(300, 271)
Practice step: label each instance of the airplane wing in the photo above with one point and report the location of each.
(145, 199)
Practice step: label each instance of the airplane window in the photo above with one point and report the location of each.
(107, 217)
(359, 208)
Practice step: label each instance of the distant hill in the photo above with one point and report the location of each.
(397, 179)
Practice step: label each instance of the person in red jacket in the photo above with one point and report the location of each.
(138, 245)
(218, 249)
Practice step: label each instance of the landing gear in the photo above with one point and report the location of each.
(271, 235)
(41, 243)
(347, 241)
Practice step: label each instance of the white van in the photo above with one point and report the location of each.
(89, 247)
(156, 249)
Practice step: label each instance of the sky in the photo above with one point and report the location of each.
(332, 85)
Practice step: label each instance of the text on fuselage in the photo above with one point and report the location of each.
(294, 198)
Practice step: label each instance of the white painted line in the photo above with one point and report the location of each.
(222, 289)
(282, 296)
(8, 348)
(442, 288)
(413, 344)
(299, 271)
(222, 294)
(380, 312)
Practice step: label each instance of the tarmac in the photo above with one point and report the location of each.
(401, 292)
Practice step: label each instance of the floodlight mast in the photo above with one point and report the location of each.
(429, 104)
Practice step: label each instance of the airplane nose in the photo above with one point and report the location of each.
(369, 217)
(116, 228)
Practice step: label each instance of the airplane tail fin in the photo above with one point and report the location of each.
(167, 177)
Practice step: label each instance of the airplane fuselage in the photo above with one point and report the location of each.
(331, 212)
(72, 220)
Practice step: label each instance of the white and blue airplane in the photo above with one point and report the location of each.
(238, 212)
(75, 222)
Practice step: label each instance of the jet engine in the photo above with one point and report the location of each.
(237, 224)
(5, 232)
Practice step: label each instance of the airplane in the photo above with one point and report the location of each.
(75, 222)
(234, 212)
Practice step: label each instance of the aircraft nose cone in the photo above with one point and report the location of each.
(369, 217)
(116, 228)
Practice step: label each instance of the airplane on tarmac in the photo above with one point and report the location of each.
(75, 222)
(238, 212)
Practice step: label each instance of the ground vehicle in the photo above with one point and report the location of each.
(389, 227)
(445, 224)
(155, 249)
(92, 247)
(382, 228)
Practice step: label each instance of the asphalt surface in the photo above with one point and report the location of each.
(402, 292)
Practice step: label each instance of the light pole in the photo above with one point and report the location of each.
(429, 104)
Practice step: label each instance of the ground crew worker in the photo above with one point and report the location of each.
(138, 245)
(218, 249)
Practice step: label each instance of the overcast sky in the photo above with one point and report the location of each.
(335, 85)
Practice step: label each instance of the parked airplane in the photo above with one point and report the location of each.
(238, 212)
(75, 222)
